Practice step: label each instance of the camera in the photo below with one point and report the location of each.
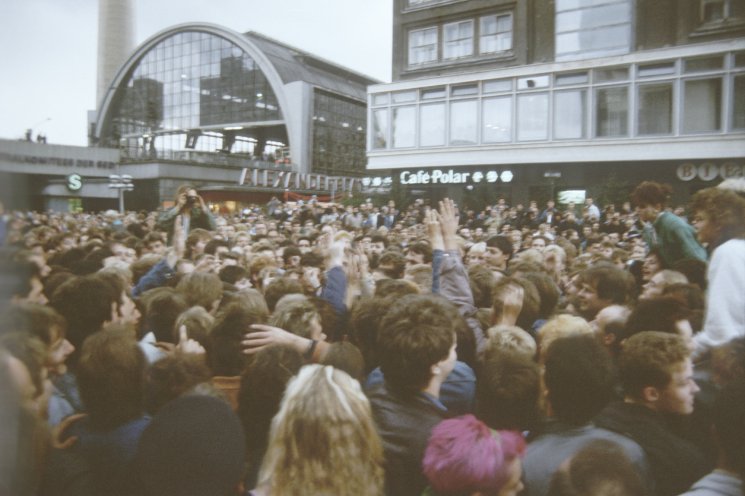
(191, 200)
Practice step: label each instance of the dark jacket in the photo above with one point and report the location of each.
(558, 441)
(404, 423)
(98, 463)
(199, 219)
(675, 463)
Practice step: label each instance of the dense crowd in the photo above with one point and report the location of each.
(311, 348)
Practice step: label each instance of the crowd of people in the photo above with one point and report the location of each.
(319, 349)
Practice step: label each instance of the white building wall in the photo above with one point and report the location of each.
(299, 96)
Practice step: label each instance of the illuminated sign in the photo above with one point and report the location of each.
(437, 176)
(377, 182)
(74, 182)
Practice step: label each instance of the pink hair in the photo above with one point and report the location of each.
(464, 455)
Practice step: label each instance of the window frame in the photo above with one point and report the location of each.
(497, 33)
(702, 11)
(457, 41)
(411, 48)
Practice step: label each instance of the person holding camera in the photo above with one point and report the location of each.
(192, 209)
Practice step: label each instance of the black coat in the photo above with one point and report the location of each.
(675, 463)
(404, 422)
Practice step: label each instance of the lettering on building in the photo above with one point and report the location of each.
(450, 176)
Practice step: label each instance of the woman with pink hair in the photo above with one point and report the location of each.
(464, 456)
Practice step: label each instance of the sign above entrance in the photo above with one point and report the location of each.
(438, 176)
(709, 171)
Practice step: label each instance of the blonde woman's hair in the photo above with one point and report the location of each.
(479, 247)
(511, 339)
(561, 326)
(530, 255)
(323, 440)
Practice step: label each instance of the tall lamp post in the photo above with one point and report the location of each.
(121, 183)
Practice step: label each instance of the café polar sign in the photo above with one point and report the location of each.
(437, 176)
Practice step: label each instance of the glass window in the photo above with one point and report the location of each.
(404, 96)
(740, 59)
(193, 81)
(497, 119)
(431, 93)
(464, 90)
(569, 114)
(702, 103)
(704, 64)
(567, 79)
(738, 106)
(714, 10)
(655, 109)
(608, 75)
(463, 117)
(432, 124)
(416, 3)
(381, 99)
(497, 85)
(495, 33)
(336, 141)
(531, 82)
(457, 40)
(532, 117)
(403, 127)
(649, 70)
(380, 129)
(611, 111)
(422, 46)
(586, 29)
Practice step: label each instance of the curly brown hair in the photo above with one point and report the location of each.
(724, 208)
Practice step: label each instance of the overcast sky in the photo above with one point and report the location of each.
(48, 48)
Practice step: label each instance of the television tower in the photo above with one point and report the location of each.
(115, 40)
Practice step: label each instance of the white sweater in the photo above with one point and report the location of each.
(725, 300)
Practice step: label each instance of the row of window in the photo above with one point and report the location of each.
(583, 29)
(338, 134)
(486, 35)
(669, 98)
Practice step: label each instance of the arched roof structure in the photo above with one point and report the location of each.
(218, 68)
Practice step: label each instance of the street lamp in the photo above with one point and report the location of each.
(121, 182)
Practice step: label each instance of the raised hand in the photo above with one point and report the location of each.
(512, 304)
(434, 230)
(186, 344)
(449, 223)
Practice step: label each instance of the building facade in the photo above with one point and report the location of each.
(534, 100)
(239, 115)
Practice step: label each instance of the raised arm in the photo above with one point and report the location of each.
(166, 268)
(454, 284)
